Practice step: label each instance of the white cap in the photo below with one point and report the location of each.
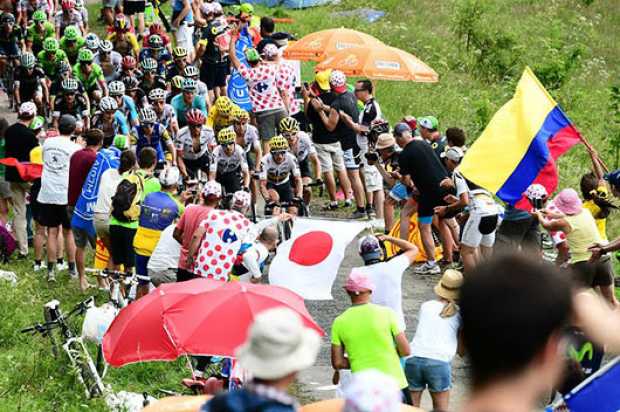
(212, 188)
(453, 153)
(28, 109)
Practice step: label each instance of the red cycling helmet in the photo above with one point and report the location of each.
(156, 28)
(129, 62)
(195, 116)
(68, 4)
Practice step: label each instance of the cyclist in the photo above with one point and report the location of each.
(109, 120)
(92, 43)
(179, 62)
(193, 144)
(228, 164)
(132, 90)
(67, 16)
(277, 168)
(156, 51)
(191, 72)
(91, 75)
(129, 67)
(30, 82)
(71, 43)
(71, 102)
(151, 78)
(181, 103)
(38, 31)
(156, 29)
(124, 103)
(25, 10)
(164, 112)
(220, 115)
(176, 88)
(149, 133)
(109, 60)
(51, 56)
(124, 42)
(11, 40)
(63, 72)
(302, 147)
(214, 66)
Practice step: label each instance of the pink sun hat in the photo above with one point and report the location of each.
(358, 282)
(568, 202)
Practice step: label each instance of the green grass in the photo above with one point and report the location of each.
(535, 33)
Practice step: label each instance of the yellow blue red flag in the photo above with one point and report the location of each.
(521, 144)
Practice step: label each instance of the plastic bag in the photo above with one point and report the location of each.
(97, 321)
(8, 276)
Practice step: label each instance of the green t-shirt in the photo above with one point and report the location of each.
(50, 65)
(151, 185)
(36, 37)
(367, 333)
(90, 81)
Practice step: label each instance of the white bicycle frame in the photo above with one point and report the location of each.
(78, 353)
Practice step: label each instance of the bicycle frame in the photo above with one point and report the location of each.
(82, 362)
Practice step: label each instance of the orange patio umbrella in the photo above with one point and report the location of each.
(381, 63)
(321, 44)
(335, 405)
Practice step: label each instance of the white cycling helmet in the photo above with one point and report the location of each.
(157, 94)
(170, 176)
(92, 41)
(147, 115)
(108, 103)
(106, 46)
(116, 88)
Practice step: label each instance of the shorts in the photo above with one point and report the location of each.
(9, 50)
(102, 227)
(141, 270)
(193, 165)
(268, 121)
(351, 159)
(185, 35)
(284, 190)
(111, 4)
(330, 157)
(304, 167)
(121, 246)
(133, 7)
(427, 204)
(231, 181)
(399, 192)
(479, 230)
(83, 238)
(162, 276)
(428, 373)
(53, 216)
(5, 189)
(214, 74)
(600, 273)
(372, 178)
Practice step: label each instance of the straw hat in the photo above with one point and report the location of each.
(384, 141)
(449, 285)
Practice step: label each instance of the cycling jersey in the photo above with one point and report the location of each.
(162, 61)
(56, 87)
(251, 139)
(185, 142)
(159, 137)
(117, 126)
(25, 6)
(111, 68)
(180, 108)
(77, 108)
(223, 164)
(9, 42)
(217, 121)
(125, 46)
(128, 108)
(279, 173)
(72, 50)
(28, 83)
(304, 147)
(36, 38)
(49, 62)
(157, 212)
(167, 117)
(91, 80)
(62, 20)
(212, 53)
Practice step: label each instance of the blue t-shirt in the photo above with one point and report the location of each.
(157, 212)
(177, 5)
(180, 108)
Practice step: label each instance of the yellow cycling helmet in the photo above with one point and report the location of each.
(239, 115)
(278, 143)
(226, 136)
(223, 105)
(288, 125)
(177, 82)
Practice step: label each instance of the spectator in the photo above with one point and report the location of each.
(456, 137)
(436, 341)
(5, 187)
(53, 196)
(267, 27)
(327, 144)
(162, 266)
(19, 141)
(387, 165)
(428, 130)
(372, 391)
(278, 347)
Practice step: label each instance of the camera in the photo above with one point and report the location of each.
(377, 127)
(371, 156)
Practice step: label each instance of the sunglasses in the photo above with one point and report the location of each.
(279, 152)
(289, 135)
(147, 124)
(359, 90)
(195, 126)
(227, 144)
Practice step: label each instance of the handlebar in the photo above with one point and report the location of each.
(110, 274)
(47, 326)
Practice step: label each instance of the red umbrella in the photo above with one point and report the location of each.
(198, 317)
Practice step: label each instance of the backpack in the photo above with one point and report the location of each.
(126, 200)
(7, 244)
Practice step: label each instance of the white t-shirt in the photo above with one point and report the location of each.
(57, 153)
(252, 259)
(166, 253)
(107, 188)
(387, 277)
(435, 337)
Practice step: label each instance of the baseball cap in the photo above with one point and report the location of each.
(270, 50)
(453, 153)
(358, 282)
(170, 176)
(411, 121)
(401, 128)
(322, 79)
(338, 81)
(613, 178)
(429, 122)
(67, 120)
(369, 248)
(27, 109)
(212, 188)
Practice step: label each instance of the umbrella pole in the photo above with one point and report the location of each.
(191, 368)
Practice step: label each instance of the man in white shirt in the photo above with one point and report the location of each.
(162, 266)
(53, 195)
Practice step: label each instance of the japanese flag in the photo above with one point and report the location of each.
(308, 262)
(224, 232)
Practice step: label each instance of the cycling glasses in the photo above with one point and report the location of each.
(278, 152)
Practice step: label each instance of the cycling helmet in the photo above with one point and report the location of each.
(68, 4)
(190, 71)
(131, 83)
(121, 142)
(7, 18)
(170, 176)
(156, 28)
(155, 42)
(278, 143)
(106, 46)
(157, 94)
(148, 64)
(116, 88)
(39, 15)
(129, 62)
(241, 200)
(85, 56)
(179, 52)
(63, 67)
(195, 116)
(27, 109)
(224, 105)
(120, 22)
(252, 55)
(69, 85)
(50, 44)
(189, 85)
(226, 136)
(71, 33)
(28, 60)
(37, 123)
(108, 103)
(288, 125)
(239, 115)
(147, 115)
(369, 248)
(92, 41)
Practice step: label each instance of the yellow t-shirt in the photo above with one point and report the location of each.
(601, 224)
(36, 155)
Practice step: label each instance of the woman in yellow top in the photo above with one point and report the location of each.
(581, 232)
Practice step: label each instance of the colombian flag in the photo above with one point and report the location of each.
(521, 144)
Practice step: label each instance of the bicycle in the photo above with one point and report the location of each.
(79, 357)
(121, 285)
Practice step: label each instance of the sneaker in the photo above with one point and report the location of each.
(38, 267)
(51, 277)
(370, 211)
(330, 207)
(348, 203)
(61, 266)
(358, 215)
(428, 269)
(73, 273)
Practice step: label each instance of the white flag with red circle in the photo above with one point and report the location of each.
(224, 232)
(308, 262)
